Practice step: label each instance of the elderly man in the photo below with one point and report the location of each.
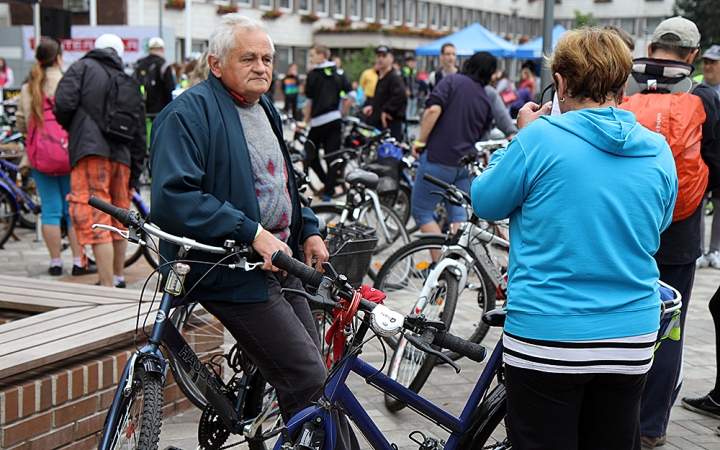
(221, 171)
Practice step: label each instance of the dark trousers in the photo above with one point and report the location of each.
(664, 382)
(291, 105)
(714, 307)
(328, 137)
(280, 337)
(553, 411)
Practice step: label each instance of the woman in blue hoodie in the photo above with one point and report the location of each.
(587, 193)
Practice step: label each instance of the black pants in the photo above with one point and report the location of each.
(328, 137)
(279, 336)
(552, 411)
(714, 307)
(291, 105)
(664, 382)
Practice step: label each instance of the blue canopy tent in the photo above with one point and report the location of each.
(470, 40)
(534, 48)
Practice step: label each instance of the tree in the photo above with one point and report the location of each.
(705, 14)
(358, 61)
(582, 20)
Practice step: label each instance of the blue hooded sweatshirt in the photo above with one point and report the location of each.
(588, 193)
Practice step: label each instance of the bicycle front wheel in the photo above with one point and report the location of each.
(409, 365)
(140, 414)
(8, 215)
(403, 275)
(488, 429)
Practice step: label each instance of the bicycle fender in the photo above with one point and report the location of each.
(310, 414)
(5, 186)
(458, 269)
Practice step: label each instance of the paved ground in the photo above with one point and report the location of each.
(688, 431)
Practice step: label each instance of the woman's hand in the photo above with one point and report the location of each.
(530, 112)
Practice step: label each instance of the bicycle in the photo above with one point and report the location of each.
(240, 405)
(471, 269)
(16, 203)
(481, 423)
(135, 251)
(362, 206)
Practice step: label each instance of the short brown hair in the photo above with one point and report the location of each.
(622, 34)
(321, 48)
(595, 64)
(444, 46)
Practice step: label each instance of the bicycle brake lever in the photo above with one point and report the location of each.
(423, 343)
(123, 233)
(319, 298)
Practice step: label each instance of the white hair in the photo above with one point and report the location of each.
(222, 39)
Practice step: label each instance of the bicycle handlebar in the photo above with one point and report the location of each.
(313, 278)
(123, 216)
(451, 189)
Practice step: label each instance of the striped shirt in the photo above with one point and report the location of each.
(628, 355)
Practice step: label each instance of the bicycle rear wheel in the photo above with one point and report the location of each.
(8, 215)
(403, 275)
(411, 366)
(488, 429)
(140, 418)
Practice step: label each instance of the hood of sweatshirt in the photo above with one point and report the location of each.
(105, 57)
(611, 130)
(328, 68)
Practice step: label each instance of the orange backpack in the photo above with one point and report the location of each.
(679, 116)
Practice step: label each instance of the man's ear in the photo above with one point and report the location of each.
(215, 66)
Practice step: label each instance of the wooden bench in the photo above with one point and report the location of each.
(69, 319)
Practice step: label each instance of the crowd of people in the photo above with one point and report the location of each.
(605, 187)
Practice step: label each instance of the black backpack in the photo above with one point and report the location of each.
(123, 106)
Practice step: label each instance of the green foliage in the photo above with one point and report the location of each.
(705, 14)
(582, 20)
(358, 61)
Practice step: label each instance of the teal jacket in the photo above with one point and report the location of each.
(203, 187)
(588, 193)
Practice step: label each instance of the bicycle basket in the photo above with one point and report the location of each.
(351, 249)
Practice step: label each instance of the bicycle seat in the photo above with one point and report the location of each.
(495, 318)
(359, 176)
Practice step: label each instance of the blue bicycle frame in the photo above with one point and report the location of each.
(337, 393)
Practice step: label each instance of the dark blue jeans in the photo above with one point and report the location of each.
(663, 381)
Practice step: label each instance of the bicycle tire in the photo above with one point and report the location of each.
(8, 215)
(402, 277)
(139, 428)
(402, 203)
(27, 217)
(411, 366)
(484, 431)
(200, 329)
(323, 319)
(398, 236)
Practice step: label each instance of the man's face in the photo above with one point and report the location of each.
(410, 63)
(384, 60)
(248, 69)
(449, 55)
(711, 71)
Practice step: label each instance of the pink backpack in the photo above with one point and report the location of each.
(47, 147)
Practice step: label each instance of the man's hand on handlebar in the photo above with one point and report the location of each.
(316, 252)
(266, 244)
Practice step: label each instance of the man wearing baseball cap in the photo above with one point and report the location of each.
(387, 109)
(155, 77)
(665, 72)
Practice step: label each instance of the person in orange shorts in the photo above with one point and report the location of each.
(101, 166)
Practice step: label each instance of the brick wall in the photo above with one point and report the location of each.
(63, 405)
(109, 12)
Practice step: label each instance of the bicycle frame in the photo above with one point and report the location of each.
(337, 392)
(22, 201)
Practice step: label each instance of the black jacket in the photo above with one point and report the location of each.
(80, 103)
(389, 97)
(155, 74)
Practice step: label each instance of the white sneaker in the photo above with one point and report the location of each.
(702, 262)
(714, 259)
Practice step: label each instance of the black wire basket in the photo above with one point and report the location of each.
(351, 248)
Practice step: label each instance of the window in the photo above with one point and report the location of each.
(354, 8)
(651, 24)
(435, 17)
(495, 25)
(398, 11)
(285, 4)
(467, 18)
(477, 16)
(445, 17)
(487, 20)
(423, 17)
(301, 59)
(456, 12)
(282, 59)
(338, 8)
(503, 24)
(321, 7)
(410, 16)
(77, 5)
(303, 5)
(369, 10)
(265, 4)
(383, 10)
(628, 25)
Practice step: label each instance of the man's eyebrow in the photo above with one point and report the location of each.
(254, 54)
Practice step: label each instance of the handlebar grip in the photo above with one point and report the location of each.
(123, 216)
(436, 181)
(306, 274)
(475, 352)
